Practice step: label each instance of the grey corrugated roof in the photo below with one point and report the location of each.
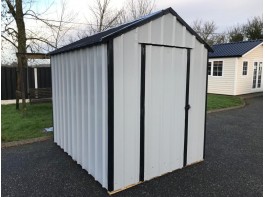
(233, 49)
(104, 36)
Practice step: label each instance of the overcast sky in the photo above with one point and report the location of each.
(225, 13)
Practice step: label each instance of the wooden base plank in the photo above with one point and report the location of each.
(132, 185)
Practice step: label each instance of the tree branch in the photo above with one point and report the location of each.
(11, 8)
(38, 18)
(42, 40)
(10, 30)
(9, 40)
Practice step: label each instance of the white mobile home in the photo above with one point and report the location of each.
(129, 102)
(236, 68)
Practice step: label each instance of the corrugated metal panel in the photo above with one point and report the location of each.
(126, 110)
(164, 31)
(197, 102)
(165, 84)
(53, 71)
(68, 98)
(80, 107)
(81, 119)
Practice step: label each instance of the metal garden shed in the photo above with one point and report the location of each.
(129, 103)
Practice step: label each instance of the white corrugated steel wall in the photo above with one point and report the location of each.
(127, 52)
(165, 91)
(79, 81)
(197, 98)
(126, 110)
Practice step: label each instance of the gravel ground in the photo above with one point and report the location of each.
(233, 165)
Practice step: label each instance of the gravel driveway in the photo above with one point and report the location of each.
(233, 165)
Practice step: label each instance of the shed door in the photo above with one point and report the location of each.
(164, 111)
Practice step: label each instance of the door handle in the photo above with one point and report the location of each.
(187, 107)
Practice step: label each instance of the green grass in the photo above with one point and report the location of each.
(16, 125)
(30, 124)
(222, 101)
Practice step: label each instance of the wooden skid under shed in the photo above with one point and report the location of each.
(132, 185)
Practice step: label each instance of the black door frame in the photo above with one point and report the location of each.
(142, 105)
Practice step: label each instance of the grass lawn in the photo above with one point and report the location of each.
(17, 126)
(222, 101)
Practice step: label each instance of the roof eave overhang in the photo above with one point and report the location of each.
(78, 48)
(225, 56)
(252, 49)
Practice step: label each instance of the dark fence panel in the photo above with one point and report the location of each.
(8, 80)
(44, 77)
(8, 83)
(3, 83)
(31, 78)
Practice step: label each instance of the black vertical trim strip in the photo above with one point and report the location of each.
(187, 107)
(142, 112)
(110, 116)
(52, 95)
(206, 99)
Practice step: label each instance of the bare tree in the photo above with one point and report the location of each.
(62, 25)
(134, 9)
(103, 16)
(236, 33)
(207, 31)
(139, 8)
(219, 38)
(22, 39)
(16, 36)
(49, 34)
(14, 31)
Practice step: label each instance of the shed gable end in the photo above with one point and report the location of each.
(165, 30)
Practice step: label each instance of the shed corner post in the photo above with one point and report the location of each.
(110, 70)
(206, 99)
(142, 112)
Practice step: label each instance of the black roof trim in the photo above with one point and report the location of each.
(225, 56)
(190, 29)
(105, 36)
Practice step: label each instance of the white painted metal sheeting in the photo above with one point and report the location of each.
(79, 82)
(197, 102)
(81, 86)
(164, 109)
(126, 110)
(165, 30)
